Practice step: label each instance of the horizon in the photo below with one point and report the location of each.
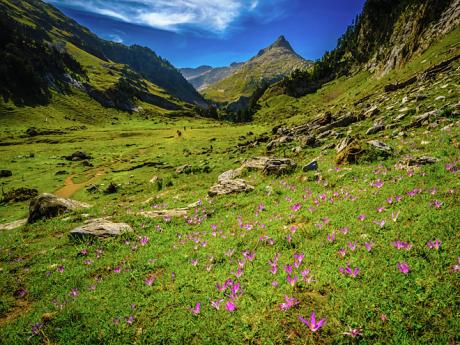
(217, 42)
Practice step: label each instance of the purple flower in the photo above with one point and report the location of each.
(436, 203)
(394, 216)
(380, 209)
(149, 281)
(352, 245)
(298, 257)
(353, 332)
(292, 280)
(361, 217)
(380, 223)
(129, 319)
(403, 267)
(289, 303)
(346, 229)
(83, 252)
(249, 255)
(194, 262)
(275, 283)
(144, 240)
(73, 292)
(60, 269)
(230, 306)
(352, 272)
(37, 328)
(196, 310)
(288, 269)
(216, 304)
(273, 269)
(436, 244)
(238, 273)
(368, 246)
(378, 184)
(331, 237)
(21, 292)
(117, 269)
(401, 245)
(342, 252)
(312, 324)
(88, 262)
(296, 207)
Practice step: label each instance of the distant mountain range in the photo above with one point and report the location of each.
(44, 52)
(204, 76)
(269, 65)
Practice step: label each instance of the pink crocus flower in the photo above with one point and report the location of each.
(436, 203)
(312, 323)
(331, 237)
(352, 272)
(401, 245)
(194, 262)
(403, 267)
(436, 244)
(249, 255)
(288, 269)
(274, 269)
(238, 273)
(230, 306)
(298, 257)
(381, 223)
(342, 252)
(380, 209)
(144, 240)
(378, 184)
(289, 303)
(149, 281)
(195, 310)
(296, 207)
(305, 275)
(60, 269)
(73, 292)
(345, 230)
(394, 216)
(361, 217)
(369, 246)
(292, 280)
(353, 332)
(352, 245)
(117, 269)
(216, 304)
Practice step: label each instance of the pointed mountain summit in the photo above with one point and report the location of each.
(271, 64)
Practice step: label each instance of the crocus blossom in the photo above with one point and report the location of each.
(289, 303)
(195, 310)
(403, 267)
(312, 323)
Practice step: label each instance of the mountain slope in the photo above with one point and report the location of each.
(204, 76)
(44, 24)
(269, 65)
(385, 36)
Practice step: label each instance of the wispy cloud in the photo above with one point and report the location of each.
(175, 15)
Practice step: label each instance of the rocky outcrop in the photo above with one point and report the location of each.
(279, 166)
(49, 205)
(100, 228)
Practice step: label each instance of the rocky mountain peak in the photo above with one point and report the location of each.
(281, 42)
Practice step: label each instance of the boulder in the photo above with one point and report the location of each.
(372, 111)
(5, 173)
(19, 194)
(313, 165)
(229, 187)
(184, 169)
(100, 228)
(230, 174)
(424, 160)
(349, 153)
(78, 156)
(279, 166)
(379, 145)
(49, 205)
(375, 129)
(344, 143)
(257, 163)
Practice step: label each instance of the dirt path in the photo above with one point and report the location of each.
(70, 188)
(21, 308)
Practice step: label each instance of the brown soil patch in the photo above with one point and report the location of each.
(70, 188)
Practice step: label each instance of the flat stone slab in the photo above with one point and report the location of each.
(13, 225)
(176, 212)
(101, 228)
(230, 187)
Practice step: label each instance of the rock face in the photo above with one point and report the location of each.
(49, 205)
(101, 228)
(5, 173)
(229, 187)
(375, 129)
(349, 153)
(279, 166)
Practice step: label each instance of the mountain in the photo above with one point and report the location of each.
(269, 65)
(385, 36)
(59, 55)
(204, 76)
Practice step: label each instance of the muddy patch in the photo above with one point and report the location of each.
(70, 187)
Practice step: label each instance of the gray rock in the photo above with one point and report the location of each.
(279, 166)
(424, 160)
(313, 165)
(13, 225)
(297, 149)
(281, 140)
(5, 173)
(344, 143)
(230, 174)
(380, 146)
(257, 163)
(49, 205)
(307, 140)
(172, 213)
(78, 156)
(184, 169)
(372, 111)
(229, 187)
(375, 129)
(101, 228)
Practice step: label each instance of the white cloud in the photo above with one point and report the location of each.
(174, 15)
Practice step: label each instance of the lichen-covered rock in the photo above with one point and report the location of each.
(279, 166)
(101, 228)
(229, 187)
(49, 205)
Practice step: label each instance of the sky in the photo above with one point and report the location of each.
(191, 33)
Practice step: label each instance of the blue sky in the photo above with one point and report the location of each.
(190, 33)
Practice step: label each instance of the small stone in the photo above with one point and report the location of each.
(313, 165)
(440, 98)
